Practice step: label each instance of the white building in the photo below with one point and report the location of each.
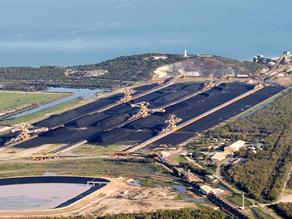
(205, 189)
(219, 156)
(234, 147)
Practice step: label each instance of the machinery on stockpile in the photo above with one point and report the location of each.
(259, 85)
(128, 95)
(26, 132)
(144, 110)
(172, 124)
(212, 83)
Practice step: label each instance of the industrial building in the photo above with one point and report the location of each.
(219, 156)
(234, 147)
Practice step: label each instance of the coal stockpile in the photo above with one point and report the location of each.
(169, 94)
(110, 121)
(123, 108)
(90, 125)
(185, 110)
(86, 120)
(58, 120)
(217, 117)
(94, 119)
(62, 135)
(157, 98)
(194, 106)
(145, 87)
(168, 98)
(103, 128)
(6, 137)
(122, 135)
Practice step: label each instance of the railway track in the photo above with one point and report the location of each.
(227, 206)
(219, 201)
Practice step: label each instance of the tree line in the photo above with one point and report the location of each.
(120, 71)
(265, 172)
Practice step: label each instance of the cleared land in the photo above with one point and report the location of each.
(11, 101)
(95, 167)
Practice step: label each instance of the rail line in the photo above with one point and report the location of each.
(215, 199)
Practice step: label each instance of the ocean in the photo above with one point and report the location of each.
(73, 32)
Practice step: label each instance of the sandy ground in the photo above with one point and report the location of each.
(286, 197)
(117, 197)
(173, 154)
(285, 81)
(141, 199)
(286, 194)
(12, 153)
(5, 129)
(161, 72)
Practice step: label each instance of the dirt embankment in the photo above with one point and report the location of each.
(197, 66)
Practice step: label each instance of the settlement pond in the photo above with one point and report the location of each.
(34, 193)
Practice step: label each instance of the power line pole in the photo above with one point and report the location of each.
(243, 201)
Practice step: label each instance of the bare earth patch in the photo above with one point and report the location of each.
(128, 199)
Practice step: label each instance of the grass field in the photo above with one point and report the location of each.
(88, 149)
(44, 113)
(179, 159)
(18, 100)
(259, 214)
(237, 199)
(95, 167)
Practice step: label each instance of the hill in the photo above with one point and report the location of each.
(120, 71)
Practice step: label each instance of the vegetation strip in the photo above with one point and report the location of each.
(263, 174)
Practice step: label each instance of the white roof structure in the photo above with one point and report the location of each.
(207, 189)
(235, 146)
(219, 156)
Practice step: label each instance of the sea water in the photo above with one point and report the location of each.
(68, 32)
